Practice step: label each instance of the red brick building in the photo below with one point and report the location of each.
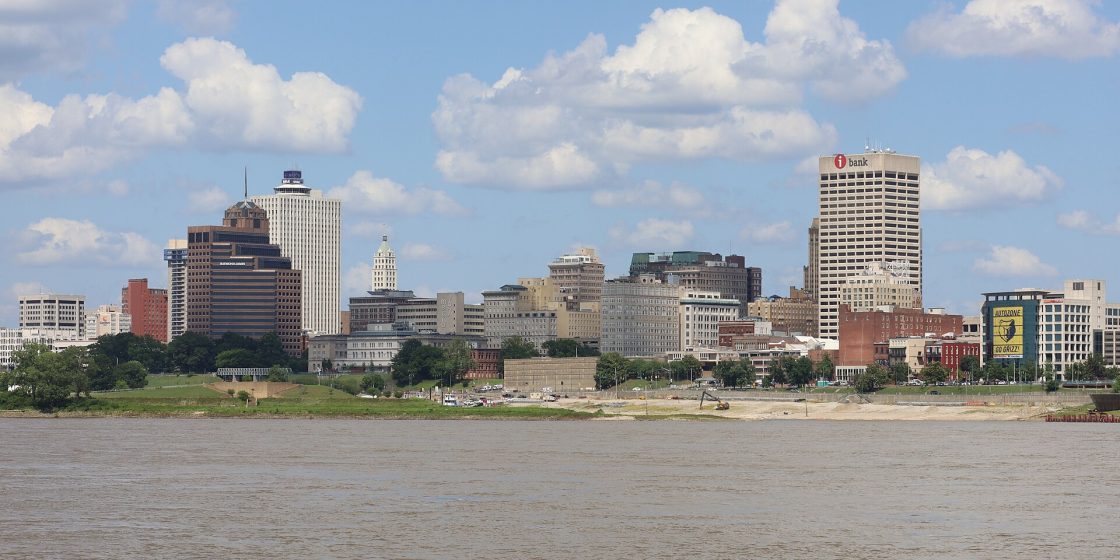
(485, 363)
(952, 352)
(148, 308)
(859, 331)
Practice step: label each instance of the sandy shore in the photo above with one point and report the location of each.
(762, 410)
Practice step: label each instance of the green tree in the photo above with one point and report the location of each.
(45, 379)
(373, 383)
(457, 361)
(149, 352)
(691, 367)
(1094, 366)
(872, 379)
(132, 373)
(270, 351)
(727, 372)
(561, 348)
(277, 373)
(970, 366)
(192, 352)
(900, 373)
(776, 372)
(236, 358)
(416, 362)
(244, 396)
(515, 348)
(610, 370)
(826, 369)
(748, 373)
(934, 373)
(1051, 381)
(801, 373)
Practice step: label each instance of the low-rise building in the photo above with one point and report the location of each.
(107, 320)
(555, 375)
(860, 330)
(796, 314)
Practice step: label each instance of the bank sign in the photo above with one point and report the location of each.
(1007, 332)
(841, 161)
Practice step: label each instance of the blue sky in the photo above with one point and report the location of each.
(488, 138)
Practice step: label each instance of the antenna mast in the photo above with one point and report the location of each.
(246, 182)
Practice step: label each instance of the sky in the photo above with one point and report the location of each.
(488, 138)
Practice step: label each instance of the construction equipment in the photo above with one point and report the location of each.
(720, 404)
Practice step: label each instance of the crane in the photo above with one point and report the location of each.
(720, 404)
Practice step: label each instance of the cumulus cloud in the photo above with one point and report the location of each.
(369, 229)
(365, 193)
(423, 252)
(654, 232)
(1069, 29)
(52, 35)
(777, 232)
(690, 86)
(208, 200)
(1012, 261)
(1082, 220)
(60, 240)
(650, 193)
(198, 17)
(971, 178)
(357, 279)
(229, 102)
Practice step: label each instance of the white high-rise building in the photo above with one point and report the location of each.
(107, 319)
(869, 214)
(384, 274)
(58, 316)
(307, 226)
(176, 256)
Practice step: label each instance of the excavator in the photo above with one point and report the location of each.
(720, 404)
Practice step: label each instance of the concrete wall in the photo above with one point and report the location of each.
(561, 374)
(259, 389)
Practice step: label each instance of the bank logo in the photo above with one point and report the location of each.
(840, 161)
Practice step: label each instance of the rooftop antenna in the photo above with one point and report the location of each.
(246, 182)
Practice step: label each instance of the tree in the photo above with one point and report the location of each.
(1094, 366)
(515, 348)
(971, 366)
(270, 351)
(748, 373)
(872, 379)
(132, 373)
(1051, 381)
(416, 362)
(151, 353)
(692, 366)
(826, 369)
(900, 373)
(48, 379)
(777, 372)
(801, 373)
(609, 370)
(192, 352)
(934, 373)
(244, 396)
(276, 373)
(727, 372)
(236, 358)
(457, 361)
(373, 383)
(561, 348)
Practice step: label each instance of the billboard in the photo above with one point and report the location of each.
(1007, 332)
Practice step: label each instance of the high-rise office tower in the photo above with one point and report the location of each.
(176, 256)
(578, 278)
(307, 227)
(238, 282)
(869, 214)
(59, 316)
(384, 273)
(147, 307)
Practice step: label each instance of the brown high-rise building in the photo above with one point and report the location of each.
(148, 308)
(812, 273)
(578, 278)
(237, 282)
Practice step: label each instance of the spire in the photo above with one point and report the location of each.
(246, 182)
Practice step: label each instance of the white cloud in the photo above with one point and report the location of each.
(690, 86)
(208, 200)
(1069, 29)
(356, 280)
(423, 252)
(1082, 220)
(365, 193)
(650, 193)
(52, 35)
(971, 178)
(1012, 261)
(654, 232)
(26, 288)
(370, 229)
(229, 102)
(61, 240)
(777, 232)
(198, 17)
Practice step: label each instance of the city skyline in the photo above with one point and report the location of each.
(494, 138)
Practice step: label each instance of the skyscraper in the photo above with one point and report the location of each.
(176, 256)
(578, 278)
(869, 214)
(307, 227)
(384, 273)
(59, 316)
(238, 282)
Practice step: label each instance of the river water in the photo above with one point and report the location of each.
(226, 488)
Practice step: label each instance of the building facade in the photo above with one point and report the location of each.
(383, 275)
(56, 316)
(239, 282)
(640, 317)
(701, 314)
(877, 287)
(147, 307)
(175, 254)
(447, 313)
(308, 229)
(379, 306)
(708, 272)
(869, 212)
(509, 313)
(107, 320)
(578, 278)
(796, 314)
(861, 330)
(553, 375)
